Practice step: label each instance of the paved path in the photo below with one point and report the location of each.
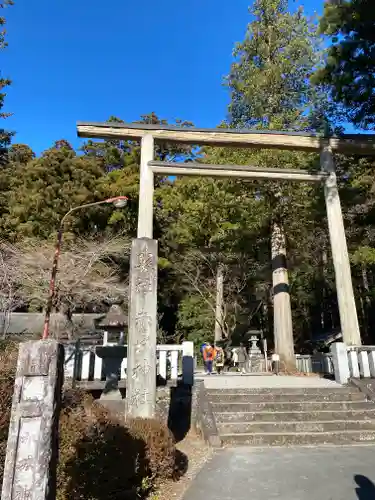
(330, 473)
(237, 381)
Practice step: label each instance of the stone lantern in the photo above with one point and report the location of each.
(254, 337)
(112, 353)
(256, 358)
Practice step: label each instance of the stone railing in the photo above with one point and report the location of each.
(352, 362)
(305, 363)
(315, 363)
(84, 366)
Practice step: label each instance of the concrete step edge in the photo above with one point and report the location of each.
(279, 395)
(282, 422)
(284, 412)
(285, 399)
(308, 433)
(284, 390)
(370, 403)
(287, 390)
(354, 444)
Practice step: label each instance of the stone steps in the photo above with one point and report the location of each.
(286, 397)
(292, 417)
(292, 406)
(299, 438)
(305, 416)
(314, 426)
(284, 390)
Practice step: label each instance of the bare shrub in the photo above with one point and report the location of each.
(90, 272)
(102, 457)
(10, 298)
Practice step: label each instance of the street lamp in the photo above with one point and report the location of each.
(118, 202)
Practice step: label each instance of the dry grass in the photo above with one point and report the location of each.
(196, 453)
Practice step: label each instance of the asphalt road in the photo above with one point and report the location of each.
(329, 473)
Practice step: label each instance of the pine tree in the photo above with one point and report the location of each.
(349, 66)
(40, 191)
(269, 81)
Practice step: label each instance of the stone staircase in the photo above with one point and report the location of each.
(292, 417)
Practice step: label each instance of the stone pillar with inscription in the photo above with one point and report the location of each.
(31, 456)
(142, 324)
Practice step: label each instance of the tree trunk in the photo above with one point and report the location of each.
(366, 303)
(283, 329)
(365, 283)
(323, 315)
(219, 304)
(3, 324)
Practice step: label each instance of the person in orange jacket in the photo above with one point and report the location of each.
(208, 358)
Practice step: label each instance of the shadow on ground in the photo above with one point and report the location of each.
(366, 488)
(180, 408)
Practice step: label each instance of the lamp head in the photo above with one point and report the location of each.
(118, 201)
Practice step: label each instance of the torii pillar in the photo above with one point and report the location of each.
(340, 256)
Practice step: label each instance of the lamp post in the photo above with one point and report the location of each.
(118, 202)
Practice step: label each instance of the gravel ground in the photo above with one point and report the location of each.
(197, 453)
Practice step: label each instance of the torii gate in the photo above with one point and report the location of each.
(352, 144)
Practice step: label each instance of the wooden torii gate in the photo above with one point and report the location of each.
(351, 144)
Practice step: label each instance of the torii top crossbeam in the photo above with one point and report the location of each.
(348, 143)
(326, 146)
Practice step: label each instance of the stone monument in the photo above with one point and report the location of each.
(141, 369)
(32, 448)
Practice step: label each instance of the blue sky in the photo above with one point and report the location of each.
(84, 60)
